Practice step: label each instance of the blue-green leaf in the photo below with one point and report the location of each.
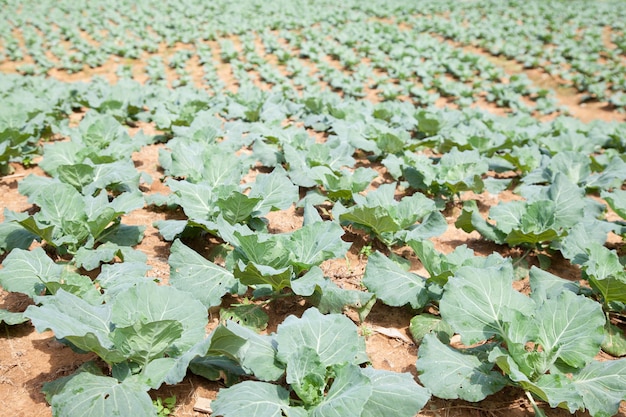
(252, 398)
(237, 207)
(605, 272)
(347, 395)
(143, 342)
(334, 337)
(602, 386)
(275, 190)
(375, 219)
(314, 243)
(27, 271)
(450, 374)
(393, 394)
(545, 285)
(14, 235)
(68, 315)
(148, 302)
(571, 327)
(477, 301)
(617, 201)
(190, 272)
(12, 318)
(568, 200)
(393, 285)
(88, 395)
(307, 375)
(258, 355)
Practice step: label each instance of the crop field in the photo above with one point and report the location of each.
(312, 208)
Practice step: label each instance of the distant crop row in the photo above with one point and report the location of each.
(387, 47)
(583, 45)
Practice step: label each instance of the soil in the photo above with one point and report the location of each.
(28, 359)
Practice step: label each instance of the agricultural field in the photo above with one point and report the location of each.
(305, 208)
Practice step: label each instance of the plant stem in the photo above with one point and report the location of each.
(524, 255)
(538, 411)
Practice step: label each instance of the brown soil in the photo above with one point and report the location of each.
(28, 359)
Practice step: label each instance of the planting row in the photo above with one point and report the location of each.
(229, 160)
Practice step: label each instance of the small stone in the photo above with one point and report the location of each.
(203, 405)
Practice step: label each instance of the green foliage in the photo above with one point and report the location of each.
(290, 139)
(25, 116)
(453, 173)
(548, 214)
(200, 277)
(536, 342)
(68, 220)
(124, 331)
(12, 318)
(88, 394)
(395, 222)
(166, 406)
(320, 355)
(606, 274)
(393, 285)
